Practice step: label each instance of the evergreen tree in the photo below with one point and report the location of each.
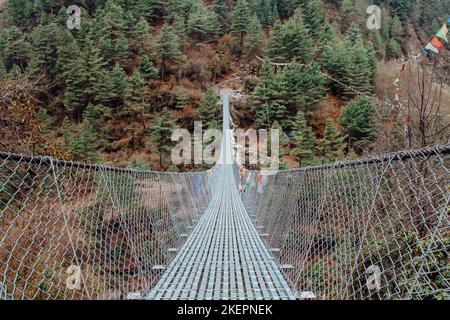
(168, 47)
(182, 99)
(221, 9)
(267, 105)
(43, 120)
(396, 30)
(161, 133)
(76, 79)
(314, 19)
(14, 49)
(207, 111)
(359, 70)
(302, 87)
(148, 69)
(240, 20)
(393, 49)
(83, 148)
(137, 97)
(119, 84)
(357, 119)
(283, 142)
(18, 12)
(348, 14)
(45, 41)
(252, 44)
(303, 140)
(67, 134)
(98, 86)
(139, 33)
(331, 146)
(202, 23)
(291, 40)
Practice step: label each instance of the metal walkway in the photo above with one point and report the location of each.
(224, 257)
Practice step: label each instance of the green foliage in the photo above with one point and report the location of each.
(202, 24)
(393, 49)
(44, 120)
(291, 40)
(253, 43)
(182, 99)
(303, 140)
(330, 147)
(148, 69)
(357, 119)
(208, 111)
(240, 20)
(14, 49)
(45, 41)
(160, 135)
(83, 148)
(267, 105)
(168, 47)
(302, 87)
(352, 63)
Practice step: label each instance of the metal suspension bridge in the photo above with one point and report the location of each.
(368, 229)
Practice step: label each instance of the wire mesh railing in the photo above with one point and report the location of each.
(369, 229)
(77, 231)
(366, 229)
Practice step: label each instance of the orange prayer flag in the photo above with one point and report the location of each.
(437, 44)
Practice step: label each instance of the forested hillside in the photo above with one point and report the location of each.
(113, 90)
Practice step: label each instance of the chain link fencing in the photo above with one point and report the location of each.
(365, 229)
(78, 231)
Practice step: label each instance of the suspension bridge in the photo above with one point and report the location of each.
(375, 228)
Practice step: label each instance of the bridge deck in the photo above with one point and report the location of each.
(224, 257)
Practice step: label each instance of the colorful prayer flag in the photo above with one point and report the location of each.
(442, 34)
(437, 44)
(430, 47)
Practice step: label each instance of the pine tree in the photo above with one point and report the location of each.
(14, 48)
(182, 99)
(97, 88)
(137, 97)
(252, 44)
(139, 33)
(207, 111)
(283, 142)
(348, 14)
(291, 40)
(303, 140)
(161, 133)
(302, 87)
(76, 80)
(267, 106)
(202, 23)
(119, 83)
(43, 120)
(240, 20)
(67, 133)
(331, 146)
(393, 49)
(314, 19)
(18, 12)
(168, 47)
(359, 70)
(83, 148)
(221, 9)
(396, 29)
(45, 41)
(357, 119)
(148, 69)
